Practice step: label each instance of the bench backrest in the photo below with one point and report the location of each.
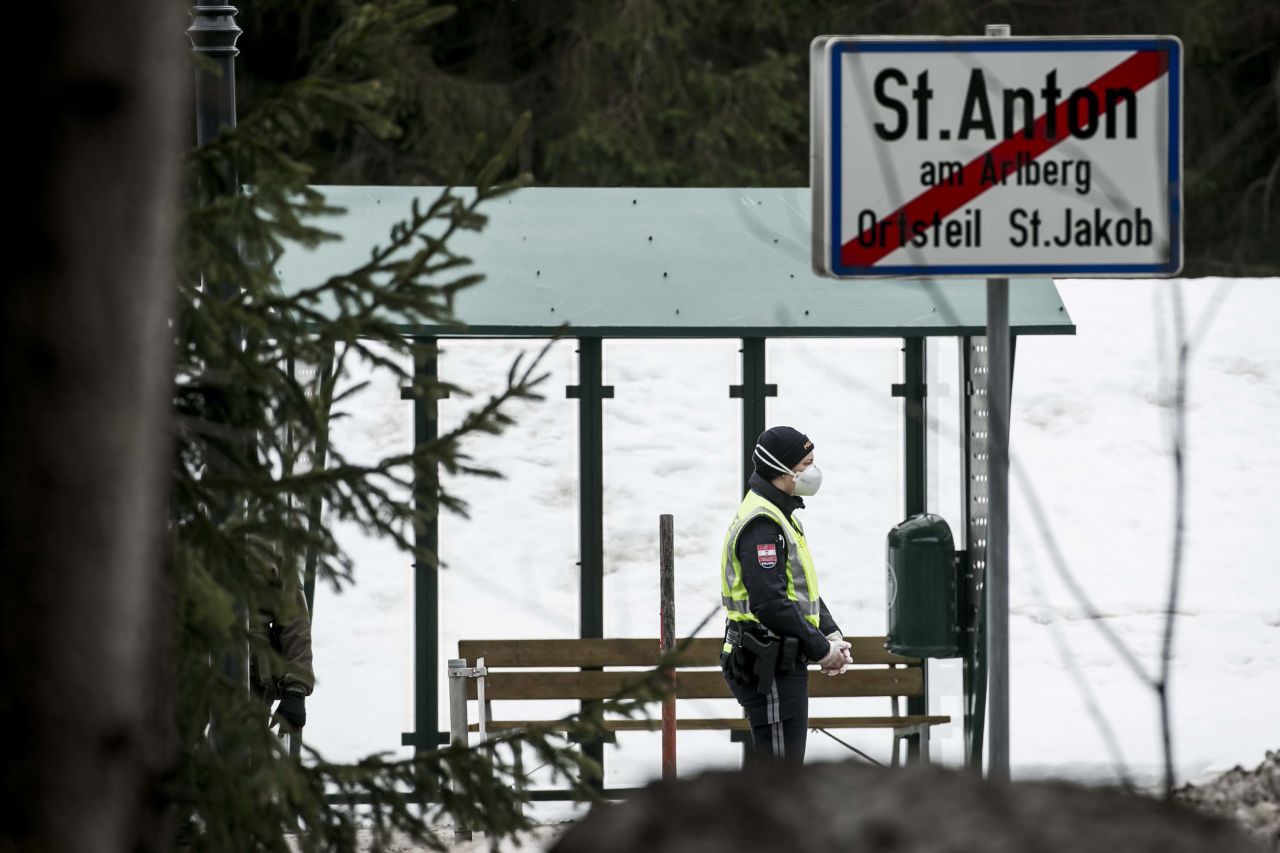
(876, 672)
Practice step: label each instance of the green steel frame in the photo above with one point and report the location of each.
(591, 392)
(633, 263)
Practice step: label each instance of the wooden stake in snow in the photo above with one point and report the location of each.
(667, 613)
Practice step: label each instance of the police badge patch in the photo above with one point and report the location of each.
(767, 555)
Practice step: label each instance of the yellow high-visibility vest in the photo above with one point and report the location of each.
(802, 587)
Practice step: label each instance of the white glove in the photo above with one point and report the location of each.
(833, 663)
(836, 636)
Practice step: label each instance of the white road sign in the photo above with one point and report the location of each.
(996, 157)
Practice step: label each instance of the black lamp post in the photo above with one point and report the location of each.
(213, 33)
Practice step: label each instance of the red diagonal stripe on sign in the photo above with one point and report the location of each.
(1134, 73)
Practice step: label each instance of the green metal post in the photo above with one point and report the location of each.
(915, 474)
(753, 391)
(425, 394)
(325, 380)
(914, 391)
(591, 392)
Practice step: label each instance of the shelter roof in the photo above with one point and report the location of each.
(636, 263)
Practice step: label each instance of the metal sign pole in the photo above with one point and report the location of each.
(997, 579)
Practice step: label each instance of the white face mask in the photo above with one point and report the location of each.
(807, 481)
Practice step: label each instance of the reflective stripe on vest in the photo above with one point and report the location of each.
(802, 586)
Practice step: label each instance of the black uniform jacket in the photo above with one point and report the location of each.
(767, 585)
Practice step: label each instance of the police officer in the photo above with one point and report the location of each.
(777, 622)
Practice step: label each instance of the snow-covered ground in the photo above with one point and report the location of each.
(1090, 438)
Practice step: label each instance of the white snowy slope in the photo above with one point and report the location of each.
(1090, 436)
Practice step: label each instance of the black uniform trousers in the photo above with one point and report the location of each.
(779, 719)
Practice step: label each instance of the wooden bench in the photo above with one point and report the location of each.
(524, 670)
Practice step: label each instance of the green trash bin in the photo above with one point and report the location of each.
(922, 589)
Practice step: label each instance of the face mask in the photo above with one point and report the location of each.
(807, 481)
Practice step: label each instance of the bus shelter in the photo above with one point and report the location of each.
(596, 264)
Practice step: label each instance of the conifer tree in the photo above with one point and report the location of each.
(684, 93)
(258, 370)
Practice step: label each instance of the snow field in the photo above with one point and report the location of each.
(1090, 438)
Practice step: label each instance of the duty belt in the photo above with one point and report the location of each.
(768, 653)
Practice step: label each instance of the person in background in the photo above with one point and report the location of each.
(287, 675)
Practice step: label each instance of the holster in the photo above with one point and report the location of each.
(758, 655)
(765, 652)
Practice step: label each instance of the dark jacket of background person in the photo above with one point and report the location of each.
(289, 634)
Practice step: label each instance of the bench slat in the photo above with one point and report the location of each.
(696, 684)
(701, 651)
(734, 723)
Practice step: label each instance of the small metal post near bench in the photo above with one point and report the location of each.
(458, 721)
(459, 672)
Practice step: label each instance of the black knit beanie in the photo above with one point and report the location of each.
(789, 446)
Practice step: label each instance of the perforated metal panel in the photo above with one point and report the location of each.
(623, 262)
(975, 418)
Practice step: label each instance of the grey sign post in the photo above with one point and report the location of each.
(997, 580)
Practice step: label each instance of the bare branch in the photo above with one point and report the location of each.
(1179, 416)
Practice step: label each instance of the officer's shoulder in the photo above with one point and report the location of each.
(762, 525)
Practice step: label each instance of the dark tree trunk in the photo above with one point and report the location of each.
(96, 122)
